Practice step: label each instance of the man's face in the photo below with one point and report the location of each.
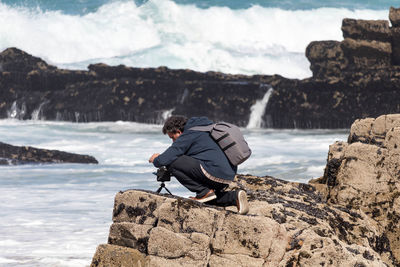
(175, 135)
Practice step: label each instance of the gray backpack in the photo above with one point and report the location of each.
(230, 140)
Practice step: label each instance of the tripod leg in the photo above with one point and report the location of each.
(159, 190)
(168, 191)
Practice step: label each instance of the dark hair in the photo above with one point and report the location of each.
(174, 123)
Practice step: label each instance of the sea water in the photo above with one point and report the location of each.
(56, 214)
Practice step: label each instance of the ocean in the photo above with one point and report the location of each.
(231, 36)
(57, 214)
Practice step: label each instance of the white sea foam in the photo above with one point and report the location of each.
(257, 40)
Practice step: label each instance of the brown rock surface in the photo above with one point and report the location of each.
(364, 173)
(369, 30)
(110, 255)
(326, 58)
(288, 225)
(364, 54)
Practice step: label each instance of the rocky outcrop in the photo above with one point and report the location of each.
(32, 89)
(13, 155)
(288, 225)
(348, 217)
(367, 46)
(363, 174)
(354, 78)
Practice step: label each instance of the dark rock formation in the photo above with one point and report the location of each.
(355, 78)
(13, 155)
(107, 93)
(370, 30)
(348, 217)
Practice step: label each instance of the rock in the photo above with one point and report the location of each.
(373, 131)
(106, 93)
(326, 58)
(367, 54)
(367, 30)
(13, 155)
(288, 224)
(110, 255)
(394, 16)
(395, 32)
(363, 175)
(15, 60)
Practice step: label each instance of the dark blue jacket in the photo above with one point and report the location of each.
(201, 146)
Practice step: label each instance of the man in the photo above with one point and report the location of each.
(199, 164)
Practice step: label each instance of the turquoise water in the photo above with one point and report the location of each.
(87, 6)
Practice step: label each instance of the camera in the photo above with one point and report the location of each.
(163, 175)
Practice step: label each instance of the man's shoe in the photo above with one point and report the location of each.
(207, 197)
(241, 202)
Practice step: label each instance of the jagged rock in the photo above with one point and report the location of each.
(13, 155)
(368, 30)
(395, 32)
(106, 93)
(326, 58)
(394, 16)
(110, 255)
(288, 225)
(373, 131)
(367, 54)
(15, 60)
(363, 174)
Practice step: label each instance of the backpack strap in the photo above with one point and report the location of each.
(206, 128)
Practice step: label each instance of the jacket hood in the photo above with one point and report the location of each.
(197, 121)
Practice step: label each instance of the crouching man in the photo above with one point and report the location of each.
(199, 164)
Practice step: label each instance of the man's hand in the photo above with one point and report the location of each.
(153, 157)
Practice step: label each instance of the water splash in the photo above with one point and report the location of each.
(37, 114)
(77, 115)
(17, 112)
(258, 110)
(166, 114)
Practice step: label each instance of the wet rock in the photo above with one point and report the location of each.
(13, 155)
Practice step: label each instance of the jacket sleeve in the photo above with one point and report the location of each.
(177, 149)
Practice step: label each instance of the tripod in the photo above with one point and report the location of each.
(163, 186)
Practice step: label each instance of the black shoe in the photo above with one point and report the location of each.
(241, 202)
